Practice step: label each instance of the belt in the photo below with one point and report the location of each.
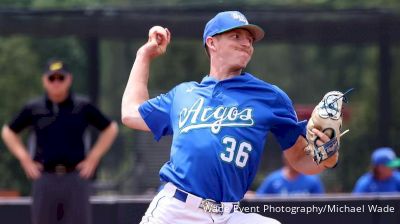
(208, 205)
(59, 169)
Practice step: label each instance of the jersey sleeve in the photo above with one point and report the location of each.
(22, 120)
(96, 118)
(286, 127)
(156, 113)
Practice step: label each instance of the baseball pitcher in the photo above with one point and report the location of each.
(219, 127)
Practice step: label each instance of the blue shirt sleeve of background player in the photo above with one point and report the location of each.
(396, 174)
(156, 113)
(362, 184)
(286, 127)
(266, 186)
(318, 187)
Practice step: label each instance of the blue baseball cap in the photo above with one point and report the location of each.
(383, 156)
(230, 20)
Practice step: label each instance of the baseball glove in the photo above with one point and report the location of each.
(326, 117)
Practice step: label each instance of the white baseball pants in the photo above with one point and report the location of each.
(167, 209)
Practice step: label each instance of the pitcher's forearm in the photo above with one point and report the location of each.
(136, 91)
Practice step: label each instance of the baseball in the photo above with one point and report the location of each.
(157, 32)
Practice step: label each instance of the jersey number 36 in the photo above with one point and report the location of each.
(239, 154)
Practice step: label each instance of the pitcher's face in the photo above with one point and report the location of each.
(234, 48)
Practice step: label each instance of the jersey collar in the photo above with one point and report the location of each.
(207, 80)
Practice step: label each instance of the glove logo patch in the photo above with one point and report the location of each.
(329, 107)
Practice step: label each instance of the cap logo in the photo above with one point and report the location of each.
(56, 66)
(240, 17)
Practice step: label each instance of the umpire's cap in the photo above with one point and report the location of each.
(229, 20)
(383, 156)
(56, 66)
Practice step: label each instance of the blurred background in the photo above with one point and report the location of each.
(311, 47)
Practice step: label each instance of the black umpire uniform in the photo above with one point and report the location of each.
(60, 194)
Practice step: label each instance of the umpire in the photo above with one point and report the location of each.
(60, 168)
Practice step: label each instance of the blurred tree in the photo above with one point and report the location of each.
(19, 81)
(118, 165)
(394, 132)
(13, 3)
(69, 49)
(186, 60)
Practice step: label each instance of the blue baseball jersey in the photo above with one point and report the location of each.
(368, 184)
(277, 183)
(219, 131)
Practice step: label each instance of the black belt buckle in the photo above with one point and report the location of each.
(211, 206)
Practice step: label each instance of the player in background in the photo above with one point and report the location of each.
(382, 178)
(219, 126)
(288, 181)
